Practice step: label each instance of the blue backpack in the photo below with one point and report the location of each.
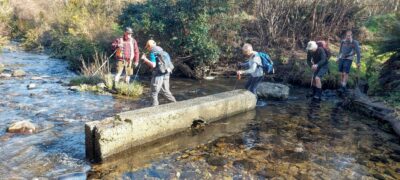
(267, 64)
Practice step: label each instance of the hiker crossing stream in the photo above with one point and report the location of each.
(288, 139)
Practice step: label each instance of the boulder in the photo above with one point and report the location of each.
(18, 73)
(31, 86)
(273, 91)
(101, 85)
(24, 127)
(74, 88)
(5, 75)
(36, 78)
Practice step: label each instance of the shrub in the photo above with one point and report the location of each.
(91, 83)
(190, 29)
(134, 89)
(89, 80)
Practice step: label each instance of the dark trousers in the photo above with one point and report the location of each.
(252, 84)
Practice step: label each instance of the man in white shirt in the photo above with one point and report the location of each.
(254, 68)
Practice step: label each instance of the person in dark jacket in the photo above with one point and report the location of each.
(317, 59)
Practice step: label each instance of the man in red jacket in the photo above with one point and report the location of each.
(127, 51)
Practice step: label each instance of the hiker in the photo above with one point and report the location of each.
(160, 63)
(317, 58)
(127, 51)
(348, 49)
(253, 64)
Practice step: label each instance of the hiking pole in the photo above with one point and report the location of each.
(237, 80)
(312, 75)
(238, 77)
(137, 72)
(104, 63)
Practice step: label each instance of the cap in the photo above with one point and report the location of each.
(150, 43)
(312, 45)
(128, 30)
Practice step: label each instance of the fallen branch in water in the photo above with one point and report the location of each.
(362, 103)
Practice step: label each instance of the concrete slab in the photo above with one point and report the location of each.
(133, 128)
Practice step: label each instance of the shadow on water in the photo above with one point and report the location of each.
(292, 139)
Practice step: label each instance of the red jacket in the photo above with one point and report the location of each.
(129, 48)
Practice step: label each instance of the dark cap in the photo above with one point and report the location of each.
(128, 30)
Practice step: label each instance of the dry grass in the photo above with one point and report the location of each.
(99, 66)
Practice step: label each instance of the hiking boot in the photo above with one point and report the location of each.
(312, 93)
(114, 86)
(344, 90)
(318, 94)
(341, 91)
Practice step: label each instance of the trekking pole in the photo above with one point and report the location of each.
(104, 63)
(312, 75)
(237, 80)
(137, 72)
(238, 77)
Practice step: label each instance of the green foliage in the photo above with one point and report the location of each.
(393, 98)
(187, 28)
(73, 48)
(31, 40)
(385, 29)
(5, 12)
(130, 90)
(73, 30)
(376, 24)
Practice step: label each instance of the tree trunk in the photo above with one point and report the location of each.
(357, 101)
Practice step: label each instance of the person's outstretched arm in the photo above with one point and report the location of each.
(152, 62)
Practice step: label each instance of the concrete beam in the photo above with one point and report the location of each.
(133, 128)
(141, 156)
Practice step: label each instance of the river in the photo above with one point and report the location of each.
(293, 139)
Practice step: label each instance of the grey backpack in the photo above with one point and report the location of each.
(164, 62)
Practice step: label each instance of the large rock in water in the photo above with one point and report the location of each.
(273, 91)
(18, 73)
(24, 127)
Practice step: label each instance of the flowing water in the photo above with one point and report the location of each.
(293, 139)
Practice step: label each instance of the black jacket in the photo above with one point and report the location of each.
(318, 57)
